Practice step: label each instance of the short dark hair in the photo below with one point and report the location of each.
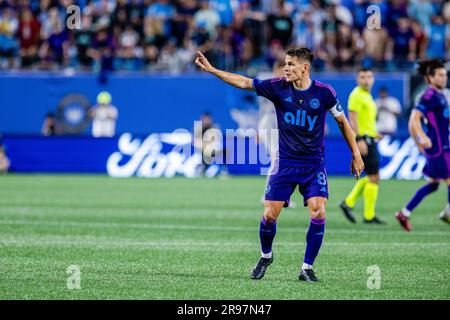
(301, 53)
(364, 69)
(428, 67)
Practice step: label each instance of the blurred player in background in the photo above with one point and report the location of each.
(389, 108)
(301, 105)
(4, 161)
(428, 126)
(50, 125)
(104, 116)
(208, 143)
(363, 118)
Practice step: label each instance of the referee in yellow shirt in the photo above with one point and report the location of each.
(363, 117)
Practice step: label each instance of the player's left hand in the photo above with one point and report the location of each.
(357, 166)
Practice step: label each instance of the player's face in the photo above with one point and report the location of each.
(294, 68)
(439, 80)
(365, 79)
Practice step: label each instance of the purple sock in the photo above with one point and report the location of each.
(420, 194)
(314, 239)
(267, 232)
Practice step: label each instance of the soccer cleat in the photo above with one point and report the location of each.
(260, 269)
(403, 220)
(348, 212)
(375, 220)
(307, 275)
(445, 216)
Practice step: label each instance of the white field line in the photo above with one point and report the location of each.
(377, 231)
(193, 244)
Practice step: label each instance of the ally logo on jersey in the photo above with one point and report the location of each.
(301, 118)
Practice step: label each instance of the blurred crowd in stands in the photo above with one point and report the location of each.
(163, 35)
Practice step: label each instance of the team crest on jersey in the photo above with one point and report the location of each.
(314, 103)
(300, 101)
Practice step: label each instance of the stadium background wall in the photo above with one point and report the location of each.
(149, 103)
(154, 104)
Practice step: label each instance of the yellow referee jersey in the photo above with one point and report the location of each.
(361, 102)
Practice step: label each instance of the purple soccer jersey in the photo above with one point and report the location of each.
(300, 117)
(433, 105)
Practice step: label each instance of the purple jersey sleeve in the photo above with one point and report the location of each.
(266, 88)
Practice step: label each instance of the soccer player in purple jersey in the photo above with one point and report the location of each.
(301, 105)
(428, 126)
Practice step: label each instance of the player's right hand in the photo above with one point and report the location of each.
(357, 166)
(425, 142)
(203, 63)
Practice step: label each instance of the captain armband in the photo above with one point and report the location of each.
(336, 111)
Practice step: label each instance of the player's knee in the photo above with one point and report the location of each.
(270, 214)
(434, 186)
(317, 210)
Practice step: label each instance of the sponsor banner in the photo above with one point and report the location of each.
(173, 154)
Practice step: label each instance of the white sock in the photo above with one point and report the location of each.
(306, 266)
(406, 212)
(266, 255)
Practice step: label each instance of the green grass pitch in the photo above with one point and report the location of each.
(198, 239)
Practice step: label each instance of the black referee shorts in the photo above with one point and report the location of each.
(372, 159)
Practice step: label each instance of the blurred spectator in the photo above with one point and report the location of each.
(29, 35)
(160, 14)
(437, 38)
(348, 45)
(129, 51)
(104, 116)
(83, 41)
(402, 45)
(54, 49)
(422, 11)
(374, 47)
(183, 18)
(172, 59)
(389, 109)
(395, 9)
(208, 16)
(225, 11)
(235, 34)
(420, 38)
(50, 125)
(4, 161)
(8, 43)
(102, 50)
(274, 53)
(280, 25)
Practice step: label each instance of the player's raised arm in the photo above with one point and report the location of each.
(357, 164)
(234, 79)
